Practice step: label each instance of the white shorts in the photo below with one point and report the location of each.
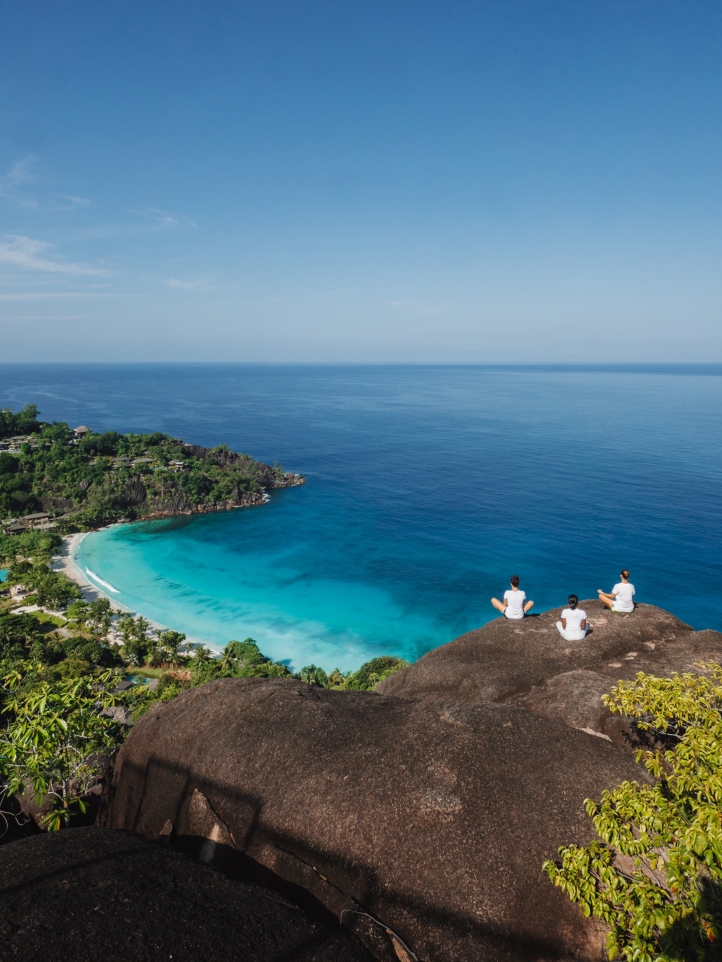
(571, 634)
(622, 611)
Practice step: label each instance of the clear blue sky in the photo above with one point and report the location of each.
(370, 181)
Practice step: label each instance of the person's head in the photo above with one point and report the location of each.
(625, 574)
(515, 581)
(573, 601)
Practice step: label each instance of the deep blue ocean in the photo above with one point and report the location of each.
(427, 488)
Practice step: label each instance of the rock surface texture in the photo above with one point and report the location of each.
(527, 663)
(92, 894)
(433, 817)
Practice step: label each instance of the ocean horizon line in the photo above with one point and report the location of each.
(711, 368)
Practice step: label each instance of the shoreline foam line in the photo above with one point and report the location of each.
(66, 563)
(105, 584)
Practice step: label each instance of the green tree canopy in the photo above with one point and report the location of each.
(54, 740)
(654, 875)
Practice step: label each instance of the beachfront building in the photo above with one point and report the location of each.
(35, 520)
(15, 528)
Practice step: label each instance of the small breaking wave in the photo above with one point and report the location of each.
(100, 581)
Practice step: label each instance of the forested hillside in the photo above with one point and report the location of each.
(83, 479)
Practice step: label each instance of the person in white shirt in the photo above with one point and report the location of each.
(514, 605)
(621, 597)
(573, 624)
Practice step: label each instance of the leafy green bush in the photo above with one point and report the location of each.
(655, 873)
(374, 671)
(364, 679)
(24, 422)
(313, 675)
(49, 588)
(55, 739)
(37, 545)
(239, 659)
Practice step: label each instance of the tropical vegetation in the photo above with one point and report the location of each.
(63, 709)
(86, 480)
(654, 874)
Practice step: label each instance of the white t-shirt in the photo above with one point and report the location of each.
(623, 595)
(574, 618)
(515, 603)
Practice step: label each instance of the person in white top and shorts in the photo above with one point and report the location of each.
(514, 606)
(573, 623)
(621, 597)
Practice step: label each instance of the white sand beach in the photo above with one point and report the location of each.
(64, 562)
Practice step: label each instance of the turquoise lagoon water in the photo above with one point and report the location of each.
(219, 578)
(427, 487)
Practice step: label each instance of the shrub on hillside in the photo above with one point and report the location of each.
(654, 875)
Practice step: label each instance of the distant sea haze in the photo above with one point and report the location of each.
(427, 488)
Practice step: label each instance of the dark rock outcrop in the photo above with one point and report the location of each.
(51, 503)
(174, 502)
(135, 492)
(433, 818)
(93, 894)
(527, 663)
(195, 451)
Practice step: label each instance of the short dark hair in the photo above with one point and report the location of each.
(573, 601)
(515, 580)
(624, 573)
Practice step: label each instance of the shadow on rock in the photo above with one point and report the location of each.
(93, 893)
(433, 818)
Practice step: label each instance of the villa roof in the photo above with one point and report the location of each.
(36, 517)
(81, 430)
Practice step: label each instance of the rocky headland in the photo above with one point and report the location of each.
(526, 663)
(419, 814)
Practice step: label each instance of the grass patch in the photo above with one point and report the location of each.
(45, 619)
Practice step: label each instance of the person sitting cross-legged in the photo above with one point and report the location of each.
(621, 597)
(573, 623)
(514, 605)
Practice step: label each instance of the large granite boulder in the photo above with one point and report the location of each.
(92, 894)
(432, 818)
(528, 663)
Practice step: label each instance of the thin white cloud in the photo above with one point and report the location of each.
(184, 285)
(165, 219)
(69, 202)
(18, 175)
(27, 253)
